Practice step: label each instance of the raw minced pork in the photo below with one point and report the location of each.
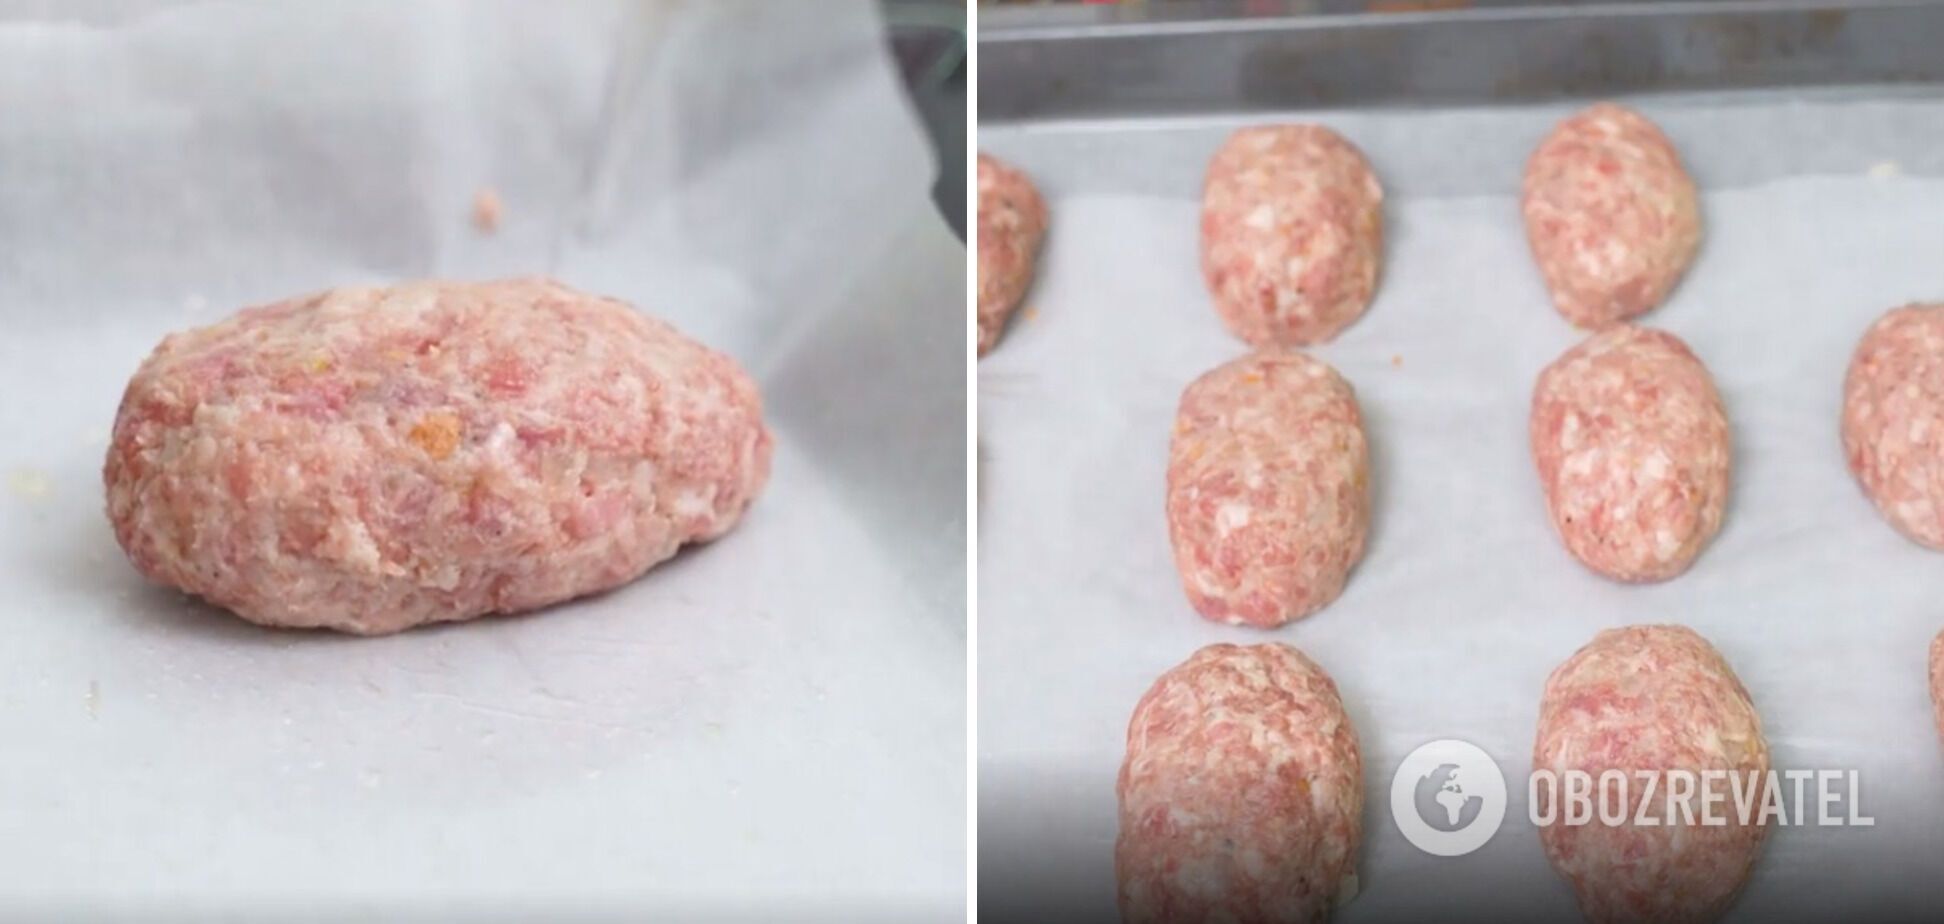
(371, 459)
(1611, 215)
(1653, 699)
(1893, 420)
(1268, 488)
(1292, 234)
(1632, 445)
(1241, 796)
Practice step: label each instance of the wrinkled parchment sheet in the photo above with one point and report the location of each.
(1821, 213)
(771, 726)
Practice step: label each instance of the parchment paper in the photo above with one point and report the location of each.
(1821, 213)
(768, 727)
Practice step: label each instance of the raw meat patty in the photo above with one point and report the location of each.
(1292, 234)
(1632, 447)
(1937, 681)
(371, 459)
(1611, 214)
(1268, 488)
(1012, 221)
(1893, 420)
(1651, 698)
(1242, 793)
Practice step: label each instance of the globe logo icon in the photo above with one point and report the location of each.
(1442, 802)
(1448, 797)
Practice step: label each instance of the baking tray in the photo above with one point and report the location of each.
(1818, 158)
(1198, 57)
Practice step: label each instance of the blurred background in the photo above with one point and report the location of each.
(928, 41)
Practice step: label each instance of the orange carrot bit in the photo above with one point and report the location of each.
(437, 433)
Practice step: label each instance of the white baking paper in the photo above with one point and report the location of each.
(1821, 213)
(769, 727)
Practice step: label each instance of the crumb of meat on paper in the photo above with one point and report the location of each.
(486, 210)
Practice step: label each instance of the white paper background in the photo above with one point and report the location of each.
(1465, 600)
(769, 726)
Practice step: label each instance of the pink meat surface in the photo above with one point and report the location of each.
(1268, 488)
(372, 459)
(1652, 698)
(1893, 420)
(1632, 447)
(1242, 792)
(1012, 221)
(1937, 682)
(1611, 214)
(1292, 230)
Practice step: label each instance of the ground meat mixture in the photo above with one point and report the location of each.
(1611, 214)
(1937, 682)
(1893, 420)
(1268, 488)
(1292, 234)
(1651, 698)
(1012, 221)
(371, 459)
(1242, 793)
(1632, 446)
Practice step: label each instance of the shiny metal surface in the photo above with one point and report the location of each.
(1059, 62)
